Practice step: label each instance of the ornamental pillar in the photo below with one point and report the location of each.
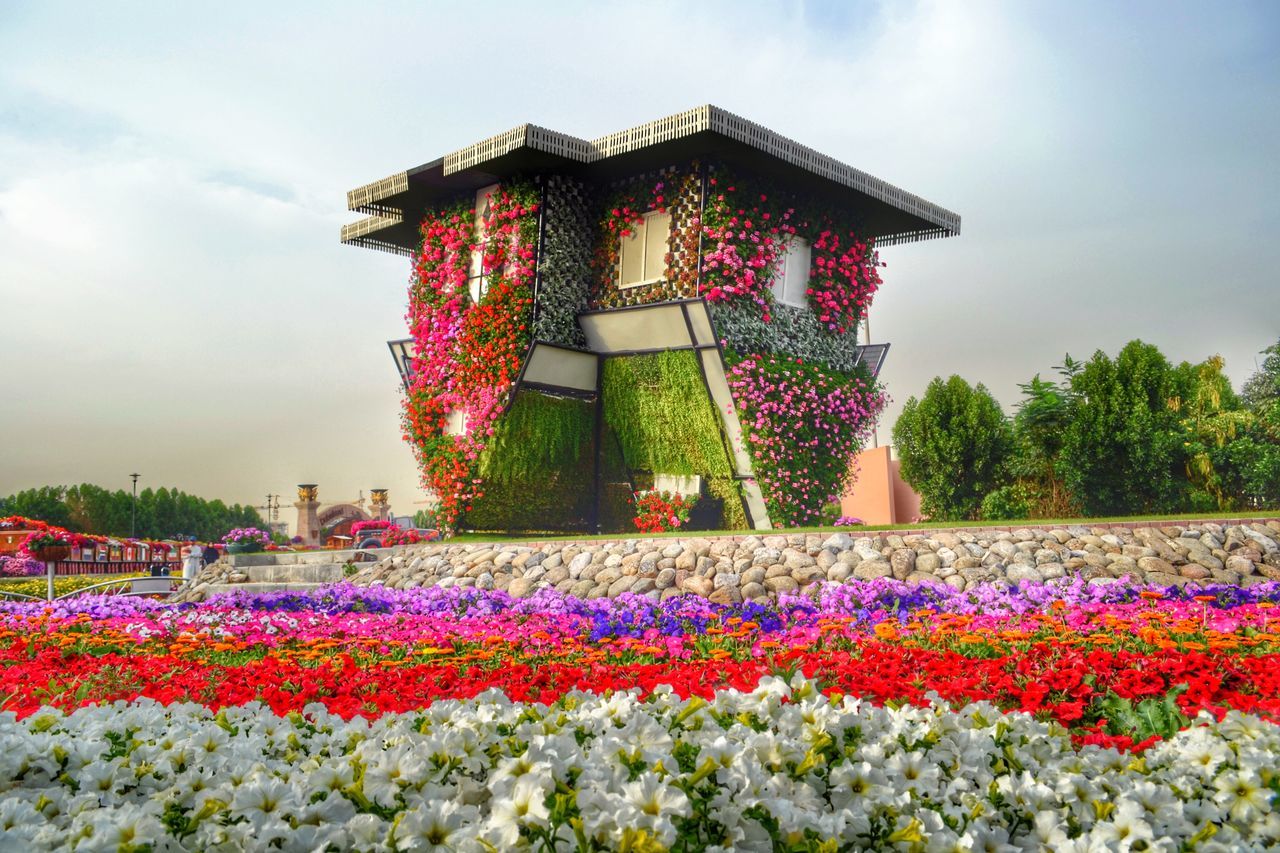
(381, 510)
(308, 514)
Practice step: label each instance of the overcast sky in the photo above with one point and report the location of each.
(172, 182)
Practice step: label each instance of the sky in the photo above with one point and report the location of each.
(175, 301)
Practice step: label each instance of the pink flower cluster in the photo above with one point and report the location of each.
(746, 236)
(803, 426)
(468, 352)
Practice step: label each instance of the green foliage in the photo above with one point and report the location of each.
(538, 433)
(564, 262)
(1122, 451)
(45, 503)
(1150, 717)
(954, 444)
(427, 519)
(658, 407)
(1007, 502)
(161, 513)
(793, 332)
(1211, 417)
(1250, 469)
(1261, 391)
(537, 468)
(1043, 414)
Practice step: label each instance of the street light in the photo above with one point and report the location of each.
(133, 520)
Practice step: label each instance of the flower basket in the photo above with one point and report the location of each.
(50, 553)
(246, 540)
(244, 548)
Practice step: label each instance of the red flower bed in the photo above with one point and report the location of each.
(1072, 686)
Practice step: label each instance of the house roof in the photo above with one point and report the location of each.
(396, 203)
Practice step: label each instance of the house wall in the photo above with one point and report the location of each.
(879, 495)
(569, 235)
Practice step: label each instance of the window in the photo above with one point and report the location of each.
(677, 485)
(457, 424)
(644, 251)
(791, 278)
(477, 284)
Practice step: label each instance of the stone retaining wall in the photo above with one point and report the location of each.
(729, 569)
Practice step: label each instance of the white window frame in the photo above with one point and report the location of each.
(457, 422)
(791, 276)
(645, 277)
(477, 279)
(676, 484)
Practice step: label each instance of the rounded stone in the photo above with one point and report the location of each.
(870, 570)
(902, 563)
(928, 562)
(781, 583)
(1021, 573)
(520, 588)
(1240, 565)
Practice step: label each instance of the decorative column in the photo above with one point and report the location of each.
(308, 519)
(381, 509)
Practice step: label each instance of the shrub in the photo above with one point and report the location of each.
(954, 444)
(1122, 451)
(1007, 502)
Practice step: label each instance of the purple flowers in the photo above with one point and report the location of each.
(20, 567)
(248, 536)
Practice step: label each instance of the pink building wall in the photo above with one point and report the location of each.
(879, 495)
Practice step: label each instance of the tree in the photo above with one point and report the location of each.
(1262, 389)
(162, 513)
(1211, 417)
(1122, 452)
(1249, 465)
(44, 503)
(954, 444)
(1043, 415)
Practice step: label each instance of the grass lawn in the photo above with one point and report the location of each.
(474, 536)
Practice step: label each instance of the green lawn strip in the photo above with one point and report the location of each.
(1266, 515)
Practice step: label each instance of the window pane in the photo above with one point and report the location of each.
(632, 266)
(778, 284)
(475, 284)
(457, 422)
(482, 200)
(657, 229)
(797, 280)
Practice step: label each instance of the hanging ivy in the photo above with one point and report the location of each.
(657, 405)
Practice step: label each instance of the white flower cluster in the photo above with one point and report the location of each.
(779, 768)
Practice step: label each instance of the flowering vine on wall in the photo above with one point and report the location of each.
(803, 425)
(675, 190)
(468, 352)
(746, 231)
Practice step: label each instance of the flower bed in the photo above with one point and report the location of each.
(865, 714)
(62, 584)
(780, 767)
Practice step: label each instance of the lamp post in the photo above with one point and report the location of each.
(133, 515)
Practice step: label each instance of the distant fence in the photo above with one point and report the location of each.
(115, 567)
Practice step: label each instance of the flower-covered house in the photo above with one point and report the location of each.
(657, 327)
